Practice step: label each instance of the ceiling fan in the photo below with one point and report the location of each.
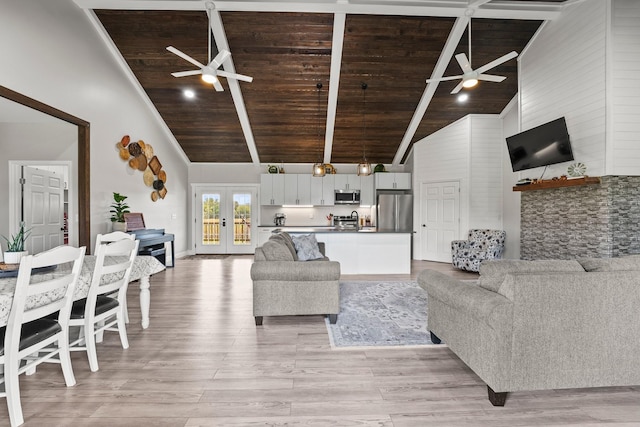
(470, 76)
(210, 71)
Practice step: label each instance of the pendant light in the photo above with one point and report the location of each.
(364, 167)
(318, 167)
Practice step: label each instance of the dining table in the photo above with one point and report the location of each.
(144, 266)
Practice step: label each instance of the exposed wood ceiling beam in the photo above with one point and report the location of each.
(438, 71)
(222, 43)
(339, 22)
(495, 10)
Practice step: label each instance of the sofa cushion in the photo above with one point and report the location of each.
(306, 247)
(276, 250)
(493, 272)
(286, 239)
(631, 262)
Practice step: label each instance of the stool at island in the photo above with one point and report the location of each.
(152, 240)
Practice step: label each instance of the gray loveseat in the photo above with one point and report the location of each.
(284, 285)
(540, 325)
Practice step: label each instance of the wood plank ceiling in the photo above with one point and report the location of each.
(288, 53)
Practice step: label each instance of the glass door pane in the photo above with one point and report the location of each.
(210, 219)
(241, 219)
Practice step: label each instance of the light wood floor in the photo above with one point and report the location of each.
(203, 362)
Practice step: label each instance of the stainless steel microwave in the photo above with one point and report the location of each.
(347, 197)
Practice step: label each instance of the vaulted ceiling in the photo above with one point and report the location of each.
(289, 47)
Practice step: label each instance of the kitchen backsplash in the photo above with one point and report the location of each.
(311, 216)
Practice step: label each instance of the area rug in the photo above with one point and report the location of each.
(380, 314)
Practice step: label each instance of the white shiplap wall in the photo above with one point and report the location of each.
(440, 157)
(624, 88)
(485, 160)
(563, 73)
(469, 151)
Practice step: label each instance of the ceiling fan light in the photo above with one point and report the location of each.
(469, 82)
(364, 168)
(209, 77)
(318, 169)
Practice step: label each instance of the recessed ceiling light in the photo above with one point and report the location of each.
(463, 97)
(189, 94)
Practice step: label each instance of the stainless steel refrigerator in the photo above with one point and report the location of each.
(394, 212)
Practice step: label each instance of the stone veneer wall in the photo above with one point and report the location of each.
(583, 221)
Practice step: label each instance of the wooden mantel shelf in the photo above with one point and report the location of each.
(558, 183)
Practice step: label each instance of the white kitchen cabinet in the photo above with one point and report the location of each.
(272, 189)
(393, 181)
(347, 182)
(367, 192)
(297, 189)
(323, 190)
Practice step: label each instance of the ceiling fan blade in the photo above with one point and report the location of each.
(464, 63)
(184, 56)
(497, 62)
(222, 56)
(457, 89)
(491, 78)
(218, 86)
(186, 73)
(235, 76)
(444, 79)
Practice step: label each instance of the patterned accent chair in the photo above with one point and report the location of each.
(481, 244)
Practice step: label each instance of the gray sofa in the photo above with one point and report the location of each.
(541, 325)
(284, 285)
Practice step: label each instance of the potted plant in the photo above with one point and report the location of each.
(118, 209)
(15, 246)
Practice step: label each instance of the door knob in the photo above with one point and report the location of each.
(424, 225)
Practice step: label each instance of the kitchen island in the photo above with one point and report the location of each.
(363, 251)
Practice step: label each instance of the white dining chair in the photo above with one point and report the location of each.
(36, 335)
(114, 236)
(100, 312)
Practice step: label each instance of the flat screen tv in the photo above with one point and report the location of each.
(543, 145)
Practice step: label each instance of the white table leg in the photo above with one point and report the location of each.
(145, 300)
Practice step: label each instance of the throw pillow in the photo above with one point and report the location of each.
(286, 239)
(493, 272)
(276, 251)
(306, 247)
(631, 262)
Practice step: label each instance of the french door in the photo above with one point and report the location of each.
(224, 219)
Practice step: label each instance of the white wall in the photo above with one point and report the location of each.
(624, 89)
(510, 198)
(563, 73)
(485, 179)
(51, 52)
(444, 156)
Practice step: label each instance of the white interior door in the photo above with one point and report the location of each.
(224, 220)
(440, 219)
(43, 213)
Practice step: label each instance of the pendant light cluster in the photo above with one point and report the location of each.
(364, 167)
(318, 167)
